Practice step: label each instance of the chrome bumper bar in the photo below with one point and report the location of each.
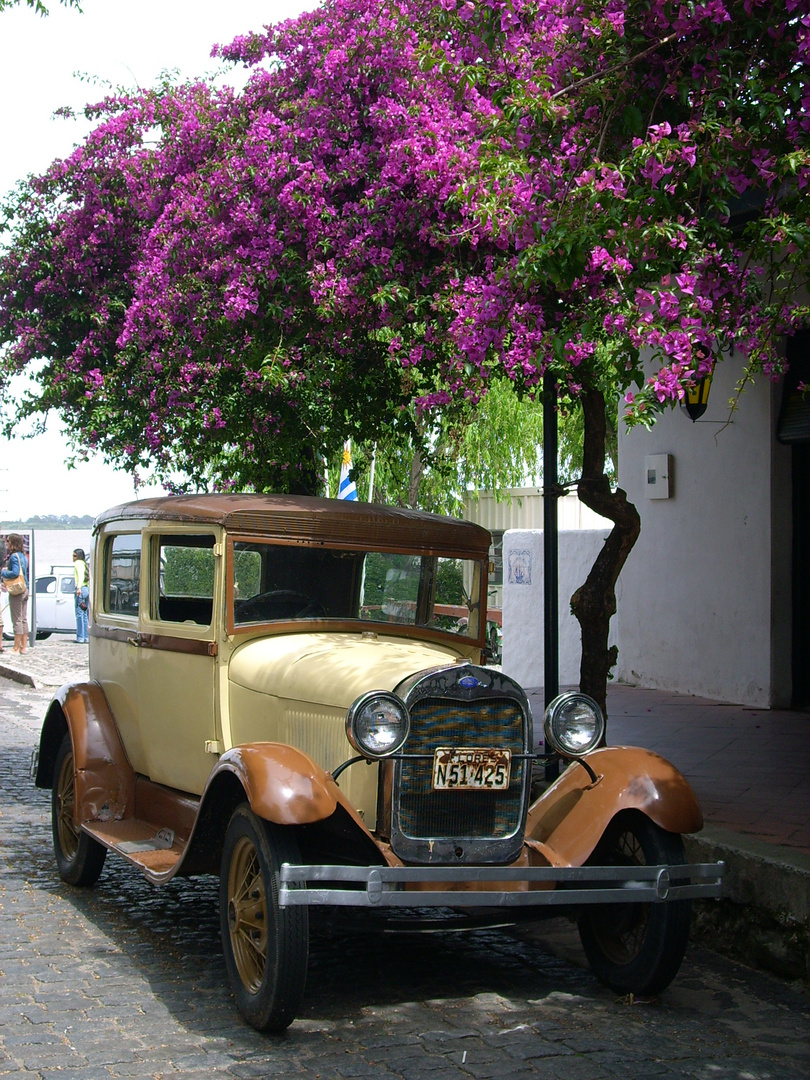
(386, 886)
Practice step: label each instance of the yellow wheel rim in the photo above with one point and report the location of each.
(247, 921)
(65, 802)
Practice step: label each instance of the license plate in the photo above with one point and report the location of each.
(471, 769)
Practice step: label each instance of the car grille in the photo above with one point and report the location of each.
(485, 722)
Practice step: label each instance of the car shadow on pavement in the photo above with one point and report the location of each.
(172, 935)
(130, 932)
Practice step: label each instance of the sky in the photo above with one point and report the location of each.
(125, 43)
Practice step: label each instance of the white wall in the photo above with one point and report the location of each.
(523, 619)
(524, 510)
(704, 599)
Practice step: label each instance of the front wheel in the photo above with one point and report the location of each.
(266, 947)
(636, 948)
(79, 857)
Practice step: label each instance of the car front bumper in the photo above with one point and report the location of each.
(478, 886)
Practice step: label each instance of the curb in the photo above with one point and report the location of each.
(23, 677)
(764, 916)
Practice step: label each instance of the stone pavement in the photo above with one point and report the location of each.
(749, 768)
(127, 981)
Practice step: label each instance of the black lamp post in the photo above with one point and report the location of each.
(551, 650)
(551, 492)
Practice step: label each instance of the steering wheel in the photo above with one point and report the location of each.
(278, 604)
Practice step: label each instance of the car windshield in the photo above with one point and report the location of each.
(275, 582)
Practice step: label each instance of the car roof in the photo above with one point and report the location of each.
(332, 522)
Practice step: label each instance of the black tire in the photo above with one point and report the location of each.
(266, 947)
(79, 857)
(636, 948)
(42, 635)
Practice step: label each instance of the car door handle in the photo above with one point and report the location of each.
(141, 641)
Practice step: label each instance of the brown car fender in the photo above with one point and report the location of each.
(105, 781)
(571, 816)
(282, 784)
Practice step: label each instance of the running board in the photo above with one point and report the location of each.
(156, 851)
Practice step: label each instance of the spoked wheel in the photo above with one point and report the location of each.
(266, 947)
(636, 948)
(79, 857)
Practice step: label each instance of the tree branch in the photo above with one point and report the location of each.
(614, 68)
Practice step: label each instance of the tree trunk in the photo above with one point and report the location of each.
(594, 603)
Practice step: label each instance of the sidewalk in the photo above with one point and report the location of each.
(750, 769)
(49, 663)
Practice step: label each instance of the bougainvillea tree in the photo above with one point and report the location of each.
(409, 203)
(649, 179)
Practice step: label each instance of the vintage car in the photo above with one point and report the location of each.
(281, 693)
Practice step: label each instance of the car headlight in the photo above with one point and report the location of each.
(573, 724)
(377, 724)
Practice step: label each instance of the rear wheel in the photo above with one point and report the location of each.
(266, 947)
(79, 857)
(636, 948)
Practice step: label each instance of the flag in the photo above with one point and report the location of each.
(346, 488)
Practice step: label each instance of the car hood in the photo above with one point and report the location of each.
(331, 669)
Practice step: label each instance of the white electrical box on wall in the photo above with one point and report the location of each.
(658, 476)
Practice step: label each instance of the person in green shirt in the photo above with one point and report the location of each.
(82, 575)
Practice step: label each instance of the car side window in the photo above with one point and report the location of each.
(123, 574)
(185, 592)
(67, 585)
(46, 585)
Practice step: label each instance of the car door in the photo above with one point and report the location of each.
(114, 631)
(45, 599)
(177, 665)
(65, 618)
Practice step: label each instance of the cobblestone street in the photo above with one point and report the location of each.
(125, 980)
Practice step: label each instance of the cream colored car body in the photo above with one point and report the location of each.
(296, 690)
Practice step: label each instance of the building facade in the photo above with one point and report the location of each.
(713, 598)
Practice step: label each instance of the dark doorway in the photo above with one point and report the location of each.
(801, 575)
(794, 429)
